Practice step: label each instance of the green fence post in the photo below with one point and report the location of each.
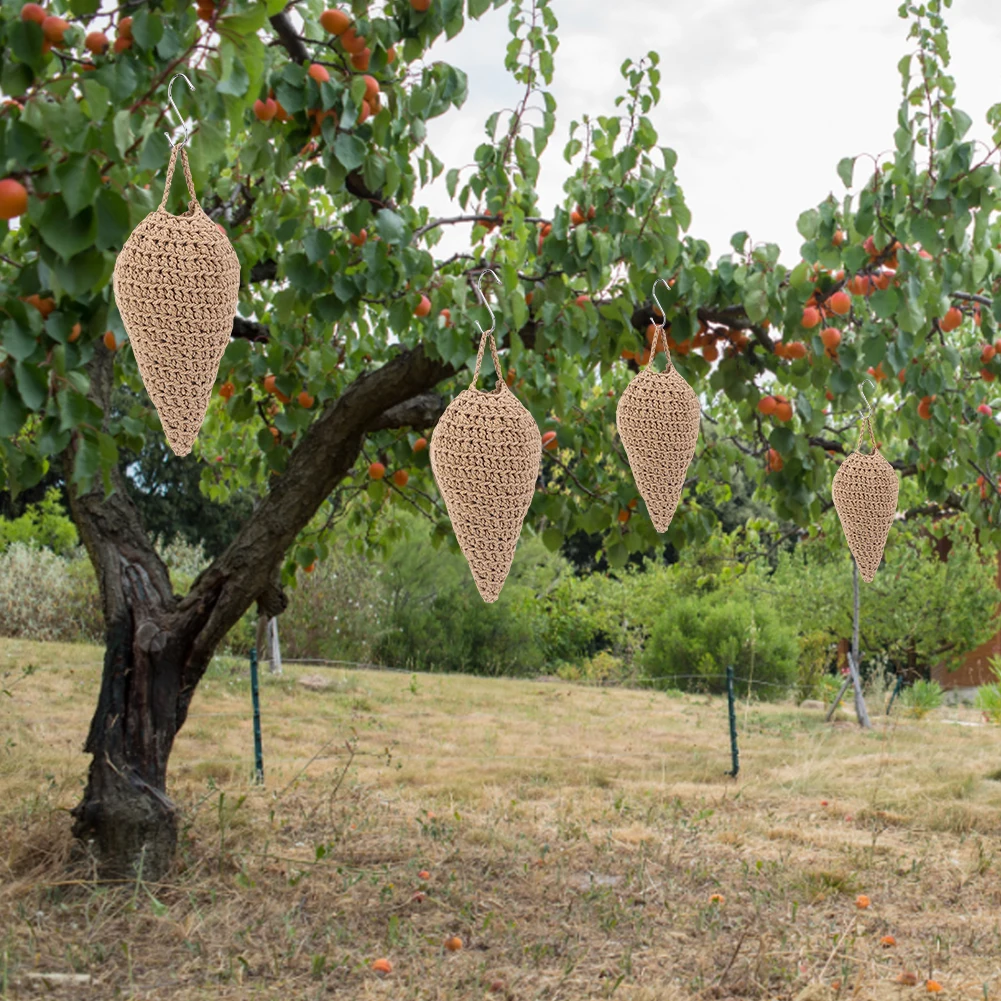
(734, 754)
(255, 697)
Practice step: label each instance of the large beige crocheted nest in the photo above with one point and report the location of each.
(177, 281)
(658, 421)
(865, 491)
(485, 455)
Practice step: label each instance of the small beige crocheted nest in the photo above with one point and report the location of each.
(865, 491)
(485, 453)
(177, 281)
(658, 421)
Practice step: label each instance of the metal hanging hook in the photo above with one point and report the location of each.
(182, 120)
(866, 398)
(483, 299)
(663, 312)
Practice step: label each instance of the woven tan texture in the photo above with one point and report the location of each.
(177, 281)
(658, 421)
(485, 455)
(865, 494)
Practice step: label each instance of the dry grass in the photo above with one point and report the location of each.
(574, 839)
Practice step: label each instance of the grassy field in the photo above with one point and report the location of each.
(582, 842)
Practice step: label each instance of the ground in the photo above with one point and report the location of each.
(582, 842)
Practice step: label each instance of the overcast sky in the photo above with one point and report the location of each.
(761, 98)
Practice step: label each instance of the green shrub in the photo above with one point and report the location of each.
(815, 657)
(921, 698)
(692, 641)
(43, 525)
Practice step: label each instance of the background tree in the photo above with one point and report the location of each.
(353, 332)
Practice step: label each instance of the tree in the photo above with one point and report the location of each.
(320, 194)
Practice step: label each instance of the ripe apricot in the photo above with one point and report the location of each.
(74, 333)
(265, 110)
(360, 60)
(125, 27)
(352, 42)
(305, 399)
(33, 12)
(453, 943)
(862, 901)
(391, 55)
(13, 198)
(582, 300)
(318, 73)
(549, 442)
(53, 28)
(831, 338)
(624, 515)
(924, 408)
(335, 21)
(110, 342)
(987, 352)
(376, 471)
(364, 112)
(576, 217)
(710, 352)
(383, 966)
(783, 411)
(774, 461)
(423, 307)
(795, 349)
(269, 384)
(122, 44)
(226, 390)
(371, 87)
(811, 317)
(420, 444)
(358, 239)
(96, 42)
(420, 5)
(401, 477)
(840, 303)
(767, 405)
(952, 319)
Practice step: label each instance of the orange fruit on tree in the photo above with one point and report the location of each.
(364, 112)
(269, 384)
(275, 433)
(420, 5)
(924, 408)
(774, 461)
(226, 390)
(420, 445)
(453, 943)
(13, 198)
(44, 306)
(840, 303)
(125, 27)
(811, 317)
(96, 42)
(305, 399)
(795, 349)
(783, 411)
(952, 319)
(53, 28)
(74, 333)
(33, 12)
(401, 477)
(582, 300)
(391, 55)
(767, 405)
(830, 337)
(122, 44)
(358, 239)
(360, 61)
(318, 73)
(838, 238)
(311, 567)
(423, 307)
(371, 87)
(710, 352)
(335, 21)
(376, 471)
(265, 110)
(576, 218)
(383, 966)
(110, 341)
(624, 515)
(549, 442)
(352, 42)
(987, 352)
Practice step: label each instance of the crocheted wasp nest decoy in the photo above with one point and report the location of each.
(485, 455)
(865, 494)
(658, 421)
(177, 280)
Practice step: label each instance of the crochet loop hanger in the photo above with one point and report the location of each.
(654, 348)
(179, 146)
(486, 335)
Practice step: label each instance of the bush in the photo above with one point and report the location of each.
(43, 525)
(436, 621)
(921, 698)
(813, 667)
(693, 640)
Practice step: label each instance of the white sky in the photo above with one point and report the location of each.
(760, 98)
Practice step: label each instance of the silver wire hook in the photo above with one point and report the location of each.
(183, 121)
(483, 299)
(864, 397)
(663, 312)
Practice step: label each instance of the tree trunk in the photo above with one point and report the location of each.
(853, 658)
(158, 645)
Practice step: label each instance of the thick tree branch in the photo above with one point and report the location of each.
(289, 37)
(420, 411)
(249, 330)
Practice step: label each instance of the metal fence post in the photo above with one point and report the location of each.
(734, 754)
(255, 697)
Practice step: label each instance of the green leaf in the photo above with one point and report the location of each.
(122, 129)
(236, 83)
(245, 24)
(85, 273)
(390, 226)
(782, 440)
(552, 539)
(318, 244)
(846, 168)
(73, 409)
(147, 28)
(884, 302)
(97, 97)
(66, 235)
(756, 298)
(350, 151)
(86, 462)
(84, 8)
(113, 222)
(477, 8)
(12, 413)
(32, 384)
(18, 341)
(808, 224)
(79, 180)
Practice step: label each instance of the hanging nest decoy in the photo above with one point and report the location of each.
(865, 491)
(486, 451)
(177, 281)
(657, 418)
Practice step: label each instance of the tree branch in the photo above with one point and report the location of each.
(289, 37)
(420, 411)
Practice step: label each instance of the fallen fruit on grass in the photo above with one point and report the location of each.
(419, 897)
(862, 901)
(718, 899)
(932, 986)
(907, 978)
(382, 966)
(424, 874)
(453, 944)
(887, 941)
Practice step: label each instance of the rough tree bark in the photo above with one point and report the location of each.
(158, 644)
